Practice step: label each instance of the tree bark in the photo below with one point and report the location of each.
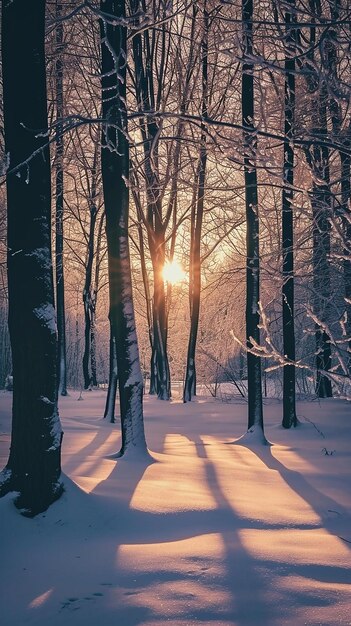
(115, 177)
(93, 363)
(88, 295)
(196, 229)
(320, 195)
(289, 395)
(321, 213)
(149, 97)
(112, 382)
(346, 210)
(159, 316)
(60, 287)
(255, 411)
(34, 464)
(344, 137)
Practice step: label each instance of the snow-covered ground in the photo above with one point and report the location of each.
(204, 532)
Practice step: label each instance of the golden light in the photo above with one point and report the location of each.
(173, 272)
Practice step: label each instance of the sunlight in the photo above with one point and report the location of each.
(91, 473)
(173, 272)
(40, 600)
(188, 486)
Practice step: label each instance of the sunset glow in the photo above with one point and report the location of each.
(173, 272)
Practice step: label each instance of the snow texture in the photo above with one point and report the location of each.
(47, 316)
(200, 532)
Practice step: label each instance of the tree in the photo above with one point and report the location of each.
(255, 410)
(289, 404)
(115, 177)
(33, 468)
(338, 97)
(196, 224)
(109, 412)
(59, 183)
(159, 68)
(90, 290)
(320, 197)
(150, 48)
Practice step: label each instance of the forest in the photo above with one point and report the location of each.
(175, 239)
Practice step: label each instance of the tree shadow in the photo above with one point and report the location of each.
(101, 526)
(241, 567)
(321, 504)
(97, 442)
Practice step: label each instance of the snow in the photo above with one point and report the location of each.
(47, 316)
(201, 531)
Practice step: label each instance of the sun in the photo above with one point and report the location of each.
(173, 272)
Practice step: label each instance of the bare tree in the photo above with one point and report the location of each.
(197, 212)
(115, 177)
(59, 184)
(289, 402)
(255, 410)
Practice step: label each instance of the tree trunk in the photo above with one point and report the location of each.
(155, 221)
(321, 213)
(112, 382)
(153, 372)
(88, 296)
(318, 160)
(34, 464)
(93, 365)
(87, 301)
(255, 411)
(60, 290)
(159, 313)
(148, 300)
(94, 296)
(289, 395)
(335, 108)
(197, 218)
(115, 174)
(346, 209)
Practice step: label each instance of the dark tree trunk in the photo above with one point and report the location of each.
(88, 303)
(60, 288)
(318, 160)
(153, 366)
(196, 229)
(156, 222)
(321, 213)
(115, 174)
(289, 396)
(148, 298)
(159, 313)
(153, 372)
(93, 363)
(33, 468)
(88, 295)
(255, 411)
(346, 210)
(343, 136)
(112, 382)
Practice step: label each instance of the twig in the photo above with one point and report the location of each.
(314, 425)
